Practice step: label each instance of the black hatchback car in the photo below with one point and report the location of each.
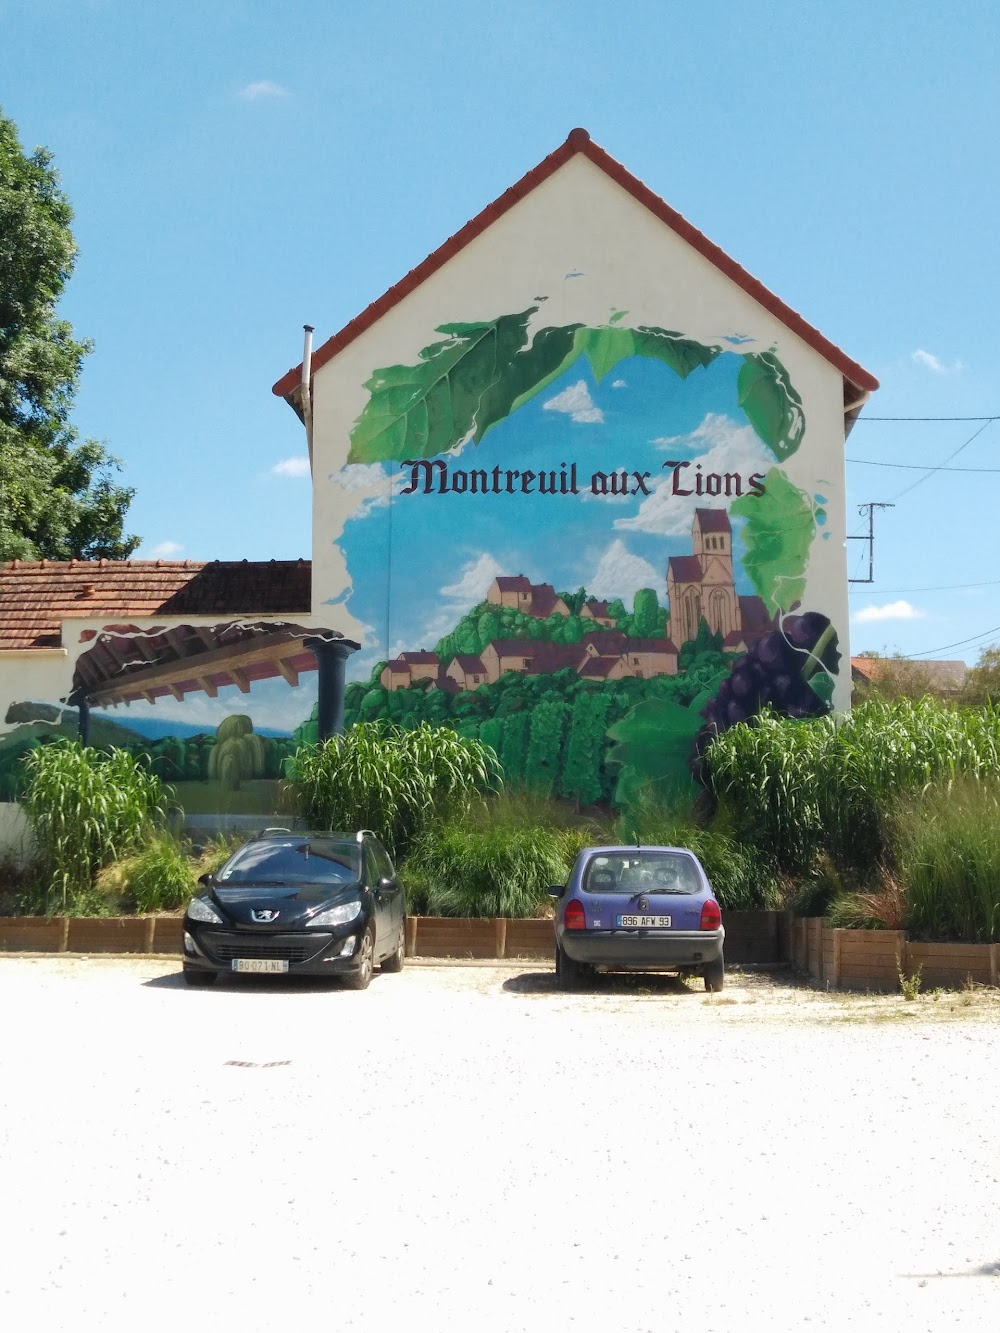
(320, 904)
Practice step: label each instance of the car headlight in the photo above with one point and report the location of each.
(200, 909)
(339, 915)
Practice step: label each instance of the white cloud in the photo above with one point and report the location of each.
(371, 482)
(933, 363)
(891, 611)
(298, 466)
(728, 448)
(164, 551)
(471, 585)
(253, 92)
(619, 573)
(619, 384)
(577, 403)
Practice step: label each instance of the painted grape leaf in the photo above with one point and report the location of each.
(653, 746)
(771, 403)
(460, 386)
(480, 373)
(778, 533)
(822, 685)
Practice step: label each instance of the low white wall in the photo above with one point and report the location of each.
(15, 836)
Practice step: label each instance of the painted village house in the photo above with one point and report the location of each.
(577, 386)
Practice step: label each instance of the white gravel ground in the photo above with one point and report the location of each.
(466, 1148)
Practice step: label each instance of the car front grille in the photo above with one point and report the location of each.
(227, 945)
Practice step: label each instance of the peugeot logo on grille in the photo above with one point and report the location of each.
(264, 915)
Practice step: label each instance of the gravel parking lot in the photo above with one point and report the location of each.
(466, 1147)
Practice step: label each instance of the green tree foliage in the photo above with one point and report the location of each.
(582, 777)
(646, 614)
(57, 496)
(549, 722)
(238, 753)
(982, 685)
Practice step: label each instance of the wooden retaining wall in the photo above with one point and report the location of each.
(840, 959)
(873, 959)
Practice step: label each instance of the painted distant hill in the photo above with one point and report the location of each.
(155, 728)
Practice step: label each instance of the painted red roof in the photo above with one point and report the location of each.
(685, 568)
(579, 141)
(713, 520)
(506, 582)
(37, 595)
(468, 663)
(420, 659)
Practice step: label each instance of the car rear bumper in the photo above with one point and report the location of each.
(643, 950)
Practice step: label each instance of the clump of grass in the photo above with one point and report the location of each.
(491, 870)
(883, 907)
(795, 788)
(742, 879)
(391, 780)
(909, 985)
(86, 809)
(947, 846)
(160, 878)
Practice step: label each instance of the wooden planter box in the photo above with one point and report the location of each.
(32, 934)
(452, 937)
(113, 934)
(529, 939)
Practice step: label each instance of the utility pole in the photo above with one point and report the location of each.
(869, 509)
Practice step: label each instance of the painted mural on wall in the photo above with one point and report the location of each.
(215, 710)
(583, 546)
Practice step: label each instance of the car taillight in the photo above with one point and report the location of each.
(573, 916)
(711, 916)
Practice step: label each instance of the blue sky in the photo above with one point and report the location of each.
(240, 168)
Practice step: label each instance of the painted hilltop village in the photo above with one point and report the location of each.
(701, 594)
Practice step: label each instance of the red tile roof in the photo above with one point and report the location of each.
(579, 141)
(36, 596)
(468, 663)
(685, 568)
(713, 520)
(420, 659)
(511, 582)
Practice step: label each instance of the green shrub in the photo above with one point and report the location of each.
(389, 780)
(160, 879)
(947, 846)
(86, 808)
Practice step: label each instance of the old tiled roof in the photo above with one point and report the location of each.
(579, 141)
(685, 568)
(36, 596)
(713, 520)
(943, 676)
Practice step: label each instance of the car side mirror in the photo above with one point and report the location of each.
(556, 890)
(206, 880)
(386, 883)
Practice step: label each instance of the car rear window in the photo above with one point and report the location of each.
(642, 872)
(295, 861)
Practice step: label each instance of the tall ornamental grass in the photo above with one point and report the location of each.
(947, 845)
(390, 780)
(86, 809)
(796, 788)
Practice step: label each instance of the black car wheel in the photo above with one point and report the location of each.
(366, 962)
(715, 974)
(394, 963)
(571, 974)
(194, 976)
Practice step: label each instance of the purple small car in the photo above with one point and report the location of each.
(638, 909)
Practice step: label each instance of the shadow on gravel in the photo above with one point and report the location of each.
(262, 985)
(606, 983)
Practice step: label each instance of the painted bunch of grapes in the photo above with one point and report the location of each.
(789, 669)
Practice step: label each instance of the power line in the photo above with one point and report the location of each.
(862, 420)
(921, 467)
(941, 587)
(960, 643)
(931, 471)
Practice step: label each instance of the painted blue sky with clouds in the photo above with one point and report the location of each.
(447, 548)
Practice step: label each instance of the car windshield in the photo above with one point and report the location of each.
(641, 872)
(294, 861)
